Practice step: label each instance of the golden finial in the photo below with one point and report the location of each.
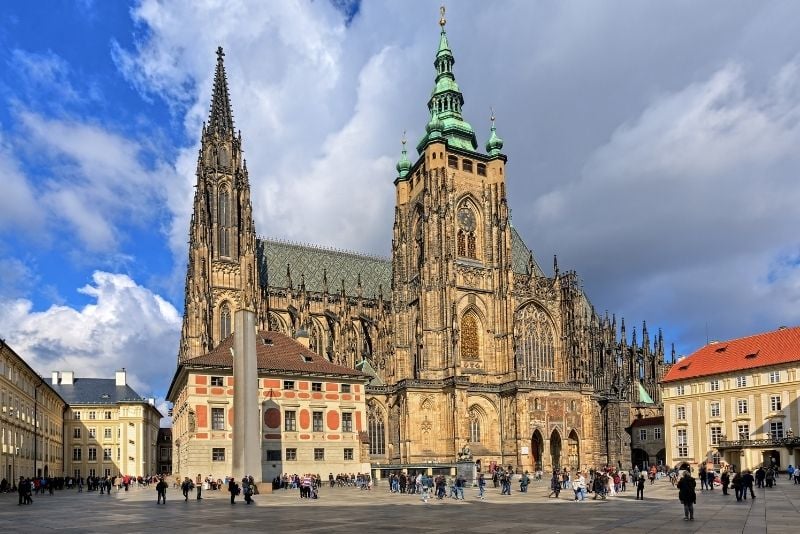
(442, 20)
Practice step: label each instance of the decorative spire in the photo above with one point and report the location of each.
(446, 102)
(494, 145)
(220, 116)
(403, 165)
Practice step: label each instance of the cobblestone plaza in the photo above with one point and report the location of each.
(350, 510)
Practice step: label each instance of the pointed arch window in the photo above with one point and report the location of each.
(376, 430)
(471, 246)
(470, 338)
(474, 426)
(535, 342)
(224, 321)
(462, 243)
(224, 221)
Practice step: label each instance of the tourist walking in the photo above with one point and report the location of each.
(640, 488)
(185, 485)
(687, 495)
(747, 485)
(161, 491)
(555, 485)
(481, 486)
(199, 486)
(725, 479)
(233, 488)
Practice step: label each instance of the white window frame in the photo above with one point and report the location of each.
(680, 413)
(774, 377)
(714, 385)
(715, 409)
(775, 403)
(742, 407)
(741, 381)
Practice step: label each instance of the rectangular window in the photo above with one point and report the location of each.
(76, 416)
(679, 390)
(347, 422)
(217, 418)
(92, 415)
(680, 413)
(106, 454)
(92, 456)
(741, 406)
(107, 472)
(288, 384)
(683, 443)
(273, 456)
(743, 431)
(316, 425)
(656, 433)
(291, 455)
(775, 403)
(466, 165)
(290, 421)
(92, 472)
(776, 430)
(774, 377)
(76, 474)
(642, 434)
(452, 162)
(119, 455)
(92, 433)
(218, 454)
(107, 433)
(716, 434)
(319, 455)
(741, 381)
(714, 385)
(715, 409)
(316, 386)
(348, 454)
(217, 381)
(481, 169)
(345, 388)
(107, 415)
(77, 453)
(76, 433)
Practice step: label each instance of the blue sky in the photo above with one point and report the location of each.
(651, 145)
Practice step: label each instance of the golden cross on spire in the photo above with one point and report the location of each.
(442, 20)
(403, 139)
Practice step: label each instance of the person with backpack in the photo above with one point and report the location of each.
(161, 491)
(233, 488)
(687, 495)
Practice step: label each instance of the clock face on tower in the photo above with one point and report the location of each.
(466, 219)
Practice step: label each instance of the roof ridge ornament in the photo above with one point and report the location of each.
(442, 19)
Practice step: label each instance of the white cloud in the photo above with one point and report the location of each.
(19, 209)
(126, 325)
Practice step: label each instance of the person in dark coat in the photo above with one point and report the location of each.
(233, 487)
(687, 495)
(725, 479)
(21, 489)
(640, 488)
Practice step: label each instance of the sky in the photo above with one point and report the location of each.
(653, 146)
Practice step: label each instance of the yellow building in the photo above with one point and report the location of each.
(109, 429)
(736, 402)
(312, 412)
(27, 448)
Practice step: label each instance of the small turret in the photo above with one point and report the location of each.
(403, 165)
(494, 145)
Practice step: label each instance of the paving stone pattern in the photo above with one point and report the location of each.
(349, 510)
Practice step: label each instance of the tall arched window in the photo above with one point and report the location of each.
(376, 430)
(535, 354)
(474, 426)
(224, 321)
(224, 222)
(472, 249)
(470, 338)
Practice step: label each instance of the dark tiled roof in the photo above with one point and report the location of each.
(760, 350)
(96, 391)
(520, 254)
(275, 352)
(312, 262)
(648, 421)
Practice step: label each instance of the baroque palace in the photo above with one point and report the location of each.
(461, 337)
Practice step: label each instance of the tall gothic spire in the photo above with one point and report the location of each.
(220, 116)
(446, 102)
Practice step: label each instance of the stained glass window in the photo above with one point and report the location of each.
(474, 427)
(224, 322)
(376, 430)
(470, 340)
(535, 352)
(224, 221)
(462, 245)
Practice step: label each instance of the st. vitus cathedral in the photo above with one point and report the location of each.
(466, 339)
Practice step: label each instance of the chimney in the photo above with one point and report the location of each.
(55, 378)
(120, 377)
(67, 377)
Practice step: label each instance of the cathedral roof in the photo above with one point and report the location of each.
(275, 352)
(520, 253)
(760, 350)
(317, 264)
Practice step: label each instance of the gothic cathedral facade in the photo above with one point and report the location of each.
(465, 338)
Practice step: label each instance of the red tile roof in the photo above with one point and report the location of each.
(275, 352)
(649, 421)
(760, 350)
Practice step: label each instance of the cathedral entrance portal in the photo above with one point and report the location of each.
(574, 451)
(537, 449)
(555, 449)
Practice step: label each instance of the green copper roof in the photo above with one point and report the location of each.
(494, 145)
(445, 104)
(315, 264)
(403, 165)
